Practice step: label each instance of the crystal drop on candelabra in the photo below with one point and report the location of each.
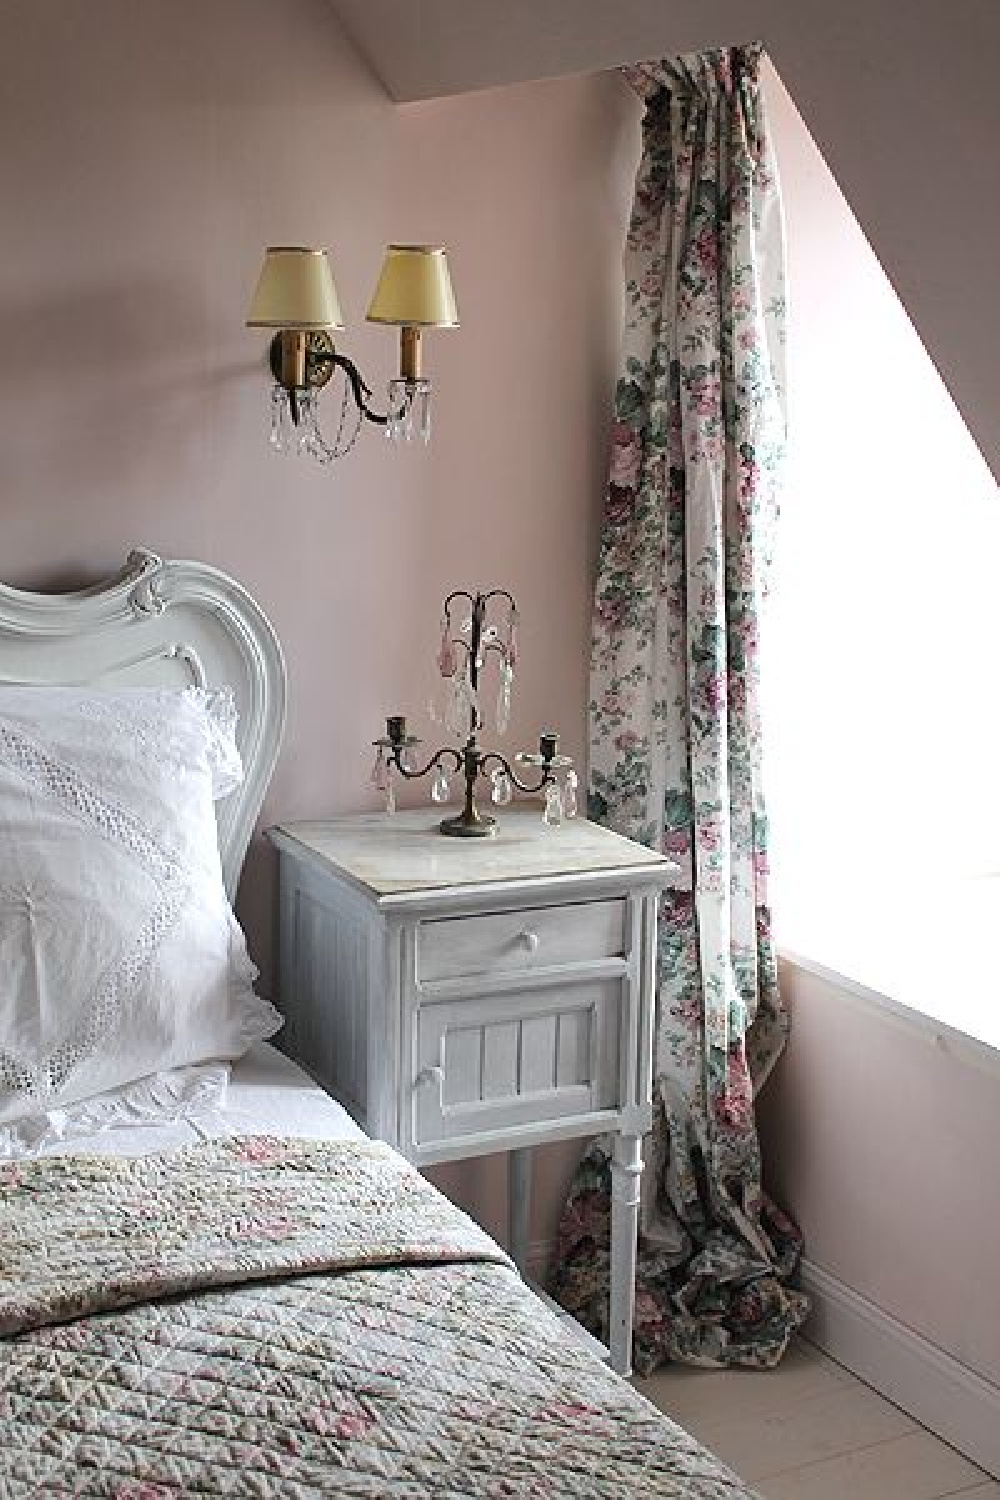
(440, 788)
(461, 708)
(406, 759)
(553, 812)
(380, 773)
(503, 697)
(512, 640)
(447, 660)
(502, 791)
(390, 796)
(569, 797)
(455, 718)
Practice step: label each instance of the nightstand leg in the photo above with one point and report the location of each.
(626, 1172)
(518, 1205)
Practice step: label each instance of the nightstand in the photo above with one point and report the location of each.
(465, 997)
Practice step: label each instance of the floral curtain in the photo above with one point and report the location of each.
(675, 734)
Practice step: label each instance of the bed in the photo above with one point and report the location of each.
(221, 1286)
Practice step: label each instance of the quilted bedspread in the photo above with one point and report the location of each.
(269, 1318)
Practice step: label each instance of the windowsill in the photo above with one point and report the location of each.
(928, 955)
(962, 1044)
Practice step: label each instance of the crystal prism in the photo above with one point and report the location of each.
(503, 698)
(447, 660)
(280, 421)
(422, 409)
(456, 708)
(502, 790)
(440, 788)
(409, 410)
(553, 813)
(390, 797)
(569, 798)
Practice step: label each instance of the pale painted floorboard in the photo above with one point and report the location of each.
(810, 1430)
(914, 1467)
(808, 1433)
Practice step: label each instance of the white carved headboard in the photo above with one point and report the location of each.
(162, 624)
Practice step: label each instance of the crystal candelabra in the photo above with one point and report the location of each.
(465, 649)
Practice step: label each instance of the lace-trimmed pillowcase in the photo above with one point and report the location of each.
(119, 952)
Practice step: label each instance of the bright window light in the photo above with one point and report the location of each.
(883, 645)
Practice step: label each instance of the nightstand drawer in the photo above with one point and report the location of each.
(505, 941)
(491, 1063)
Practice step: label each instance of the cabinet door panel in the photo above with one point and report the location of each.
(539, 1049)
(491, 1063)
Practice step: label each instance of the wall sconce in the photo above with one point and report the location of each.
(296, 295)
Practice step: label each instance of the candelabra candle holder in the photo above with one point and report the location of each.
(463, 654)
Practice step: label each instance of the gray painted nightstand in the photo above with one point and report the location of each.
(462, 998)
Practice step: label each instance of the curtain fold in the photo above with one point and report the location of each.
(675, 735)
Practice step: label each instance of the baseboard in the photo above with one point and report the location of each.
(942, 1394)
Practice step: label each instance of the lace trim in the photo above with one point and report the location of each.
(68, 788)
(181, 1096)
(102, 1009)
(128, 717)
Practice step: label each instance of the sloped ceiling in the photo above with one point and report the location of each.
(900, 95)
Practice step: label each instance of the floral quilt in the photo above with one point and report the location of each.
(268, 1318)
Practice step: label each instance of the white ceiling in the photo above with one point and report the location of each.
(900, 95)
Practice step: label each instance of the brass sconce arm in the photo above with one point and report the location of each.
(302, 361)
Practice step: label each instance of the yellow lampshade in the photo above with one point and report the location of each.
(414, 289)
(295, 290)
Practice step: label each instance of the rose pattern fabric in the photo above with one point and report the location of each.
(675, 735)
(270, 1319)
(85, 1234)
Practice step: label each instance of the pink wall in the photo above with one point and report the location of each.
(880, 1130)
(146, 165)
(902, 99)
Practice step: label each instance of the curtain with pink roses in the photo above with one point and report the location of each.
(675, 733)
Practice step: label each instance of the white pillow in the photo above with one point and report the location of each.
(119, 953)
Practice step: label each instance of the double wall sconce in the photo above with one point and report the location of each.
(296, 296)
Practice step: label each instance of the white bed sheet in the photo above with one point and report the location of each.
(267, 1094)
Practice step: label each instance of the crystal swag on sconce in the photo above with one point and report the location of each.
(462, 656)
(296, 295)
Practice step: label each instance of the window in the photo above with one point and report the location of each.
(883, 647)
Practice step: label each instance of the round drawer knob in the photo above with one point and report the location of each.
(529, 941)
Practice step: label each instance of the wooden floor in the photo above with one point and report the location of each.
(810, 1430)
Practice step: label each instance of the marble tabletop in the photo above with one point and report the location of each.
(400, 853)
